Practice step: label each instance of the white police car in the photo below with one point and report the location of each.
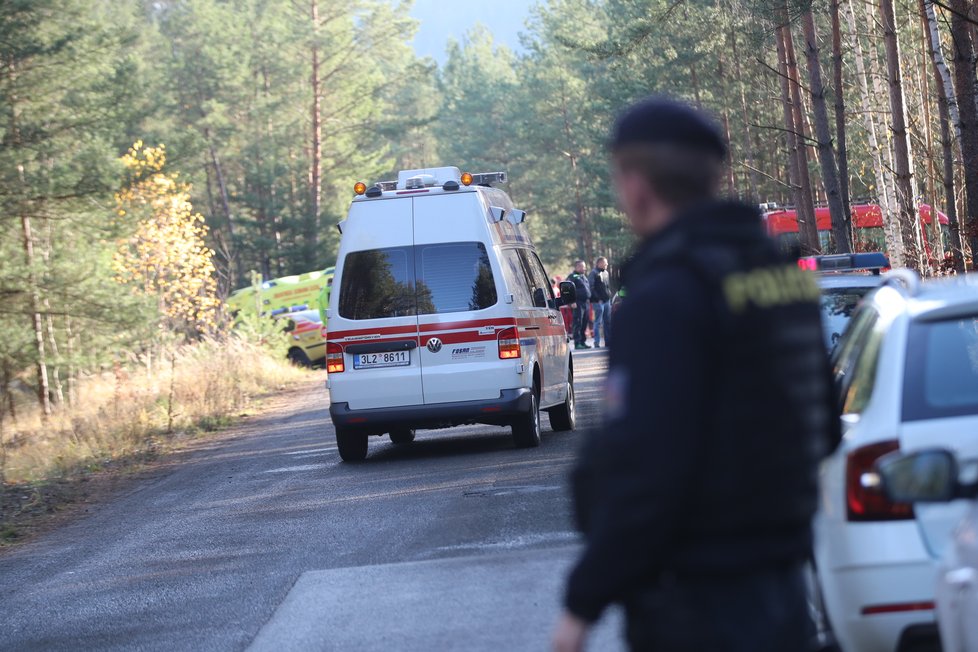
(844, 279)
(442, 314)
(906, 372)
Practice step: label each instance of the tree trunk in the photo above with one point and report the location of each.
(909, 220)
(316, 162)
(791, 138)
(753, 182)
(695, 78)
(950, 205)
(37, 319)
(823, 134)
(964, 84)
(934, 241)
(841, 139)
(731, 178)
(944, 82)
(580, 211)
(872, 97)
(807, 224)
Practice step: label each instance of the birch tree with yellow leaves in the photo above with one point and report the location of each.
(167, 257)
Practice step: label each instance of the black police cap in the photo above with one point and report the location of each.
(658, 120)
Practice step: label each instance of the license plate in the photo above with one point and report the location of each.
(385, 359)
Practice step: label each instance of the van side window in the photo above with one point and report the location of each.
(516, 278)
(454, 277)
(540, 287)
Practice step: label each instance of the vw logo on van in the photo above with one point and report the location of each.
(434, 345)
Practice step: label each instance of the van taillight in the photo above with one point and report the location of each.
(509, 343)
(865, 500)
(334, 358)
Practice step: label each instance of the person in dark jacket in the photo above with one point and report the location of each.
(697, 495)
(600, 281)
(581, 307)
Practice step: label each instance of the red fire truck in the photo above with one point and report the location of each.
(867, 224)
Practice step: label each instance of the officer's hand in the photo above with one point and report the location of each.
(570, 634)
(573, 305)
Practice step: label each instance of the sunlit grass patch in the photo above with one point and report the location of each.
(135, 411)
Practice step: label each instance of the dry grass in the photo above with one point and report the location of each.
(132, 413)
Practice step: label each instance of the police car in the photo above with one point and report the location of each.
(906, 373)
(442, 314)
(843, 279)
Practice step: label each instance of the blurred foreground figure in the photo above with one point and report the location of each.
(697, 495)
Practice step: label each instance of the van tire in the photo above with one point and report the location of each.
(564, 416)
(526, 427)
(352, 445)
(299, 358)
(402, 436)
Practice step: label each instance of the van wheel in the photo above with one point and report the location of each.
(402, 436)
(352, 445)
(564, 416)
(526, 428)
(299, 358)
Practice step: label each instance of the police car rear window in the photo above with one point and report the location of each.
(941, 378)
(423, 279)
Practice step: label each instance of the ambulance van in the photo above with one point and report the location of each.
(441, 314)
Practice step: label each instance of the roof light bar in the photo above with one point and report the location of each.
(386, 186)
(488, 178)
(873, 262)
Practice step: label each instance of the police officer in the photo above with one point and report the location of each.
(696, 497)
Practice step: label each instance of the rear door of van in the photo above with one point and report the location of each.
(460, 310)
(375, 316)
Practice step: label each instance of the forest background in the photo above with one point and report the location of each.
(153, 153)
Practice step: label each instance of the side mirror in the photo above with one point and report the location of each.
(568, 293)
(927, 476)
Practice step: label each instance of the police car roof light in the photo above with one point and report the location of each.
(451, 186)
(299, 308)
(873, 261)
(372, 193)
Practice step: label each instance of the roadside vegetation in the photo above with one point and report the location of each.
(132, 413)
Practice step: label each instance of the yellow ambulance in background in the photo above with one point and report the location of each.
(288, 292)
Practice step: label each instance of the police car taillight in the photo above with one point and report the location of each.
(334, 358)
(865, 500)
(509, 344)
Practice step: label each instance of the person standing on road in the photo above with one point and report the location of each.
(581, 307)
(696, 497)
(600, 281)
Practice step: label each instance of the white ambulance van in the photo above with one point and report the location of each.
(442, 314)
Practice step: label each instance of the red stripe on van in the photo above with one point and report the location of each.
(459, 325)
(387, 330)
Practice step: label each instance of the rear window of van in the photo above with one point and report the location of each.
(416, 280)
(941, 378)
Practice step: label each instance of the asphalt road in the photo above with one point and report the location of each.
(264, 539)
